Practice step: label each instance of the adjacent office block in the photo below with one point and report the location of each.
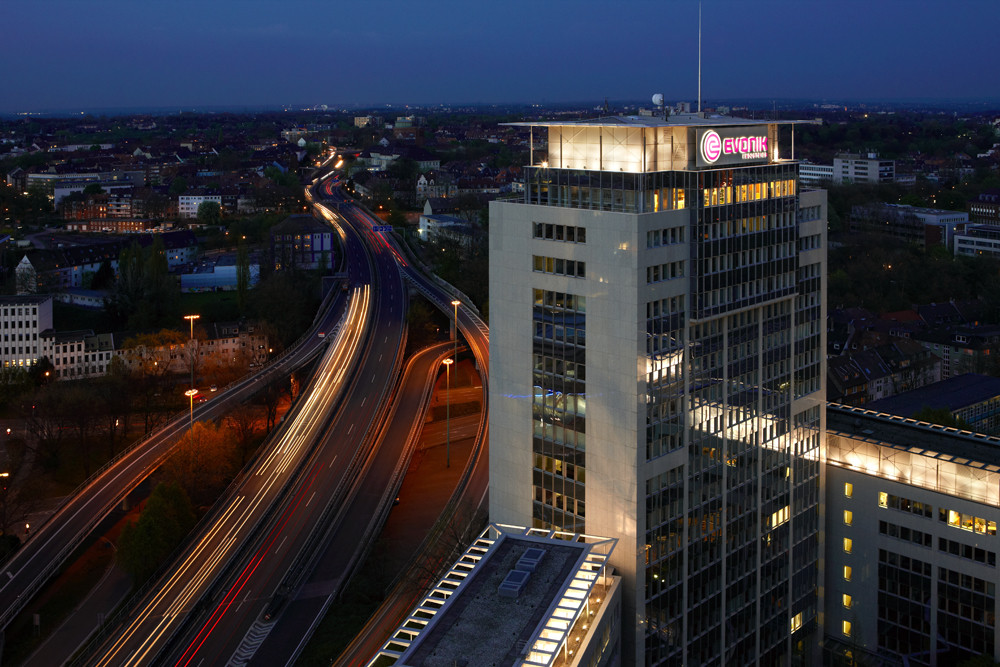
(911, 541)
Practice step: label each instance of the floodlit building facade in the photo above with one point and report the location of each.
(657, 375)
(911, 541)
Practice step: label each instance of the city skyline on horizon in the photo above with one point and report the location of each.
(69, 55)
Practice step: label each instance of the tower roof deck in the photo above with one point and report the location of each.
(675, 120)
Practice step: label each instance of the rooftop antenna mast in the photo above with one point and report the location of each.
(699, 56)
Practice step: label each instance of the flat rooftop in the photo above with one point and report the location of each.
(940, 442)
(467, 620)
(953, 394)
(674, 120)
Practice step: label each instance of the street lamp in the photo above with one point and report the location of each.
(191, 393)
(447, 412)
(191, 319)
(456, 303)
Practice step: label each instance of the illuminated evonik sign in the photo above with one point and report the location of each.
(731, 145)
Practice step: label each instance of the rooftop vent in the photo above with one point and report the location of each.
(514, 583)
(530, 559)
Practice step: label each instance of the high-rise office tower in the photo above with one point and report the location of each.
(657, 328)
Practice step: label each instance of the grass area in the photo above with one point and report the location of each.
(71, 318)
(348, 615)
(212, 306)
(439, 412)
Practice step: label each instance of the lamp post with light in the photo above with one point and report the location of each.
(191, 393)
(191, 319)
(455, 304)
(447, 413)
(3, 521)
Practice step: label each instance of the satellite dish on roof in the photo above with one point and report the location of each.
(658, 99)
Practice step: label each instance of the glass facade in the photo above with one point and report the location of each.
(965, 616)
(731, 568)
(904, 596)
(559, 410)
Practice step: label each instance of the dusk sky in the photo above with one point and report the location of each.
(87, 54)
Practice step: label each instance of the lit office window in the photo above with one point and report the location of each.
(883, 499)
(848, 517)
(848, 543)
(796, 621)
(845, 627)
(847, 601)
(847, 573)
(849, 490)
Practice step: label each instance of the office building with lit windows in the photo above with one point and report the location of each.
(911, 541)
(23, 318)
(657, 374)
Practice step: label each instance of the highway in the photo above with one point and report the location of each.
(55, 540)
(269, 611)
(338, 468)
(471, 492)
(236, 566)
(237, 518)
(319, 484)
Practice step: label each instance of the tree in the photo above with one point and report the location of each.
(209, 212)
(287, 301)
(269, 397)
(203, 463)
(396, 217)
(145, 295)
(81, 404)
(14, 381)
(242, 423)
(178, 186)
(940, 416)
(242, 274)
(104, 277)
(469, 206)
(145, 544)
(93, 189)
(42, 372)
(47, 420)
(422, 322)
(147, 357)
(115, 401)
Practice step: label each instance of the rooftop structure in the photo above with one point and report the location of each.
(516, 597)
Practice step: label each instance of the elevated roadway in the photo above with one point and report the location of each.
(234, 569)
(53, 542)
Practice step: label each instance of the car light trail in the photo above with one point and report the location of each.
(205, 560)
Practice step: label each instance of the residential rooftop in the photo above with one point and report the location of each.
(953, 394)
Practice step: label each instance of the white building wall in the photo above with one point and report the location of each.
(22, 319)
(858, 471)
